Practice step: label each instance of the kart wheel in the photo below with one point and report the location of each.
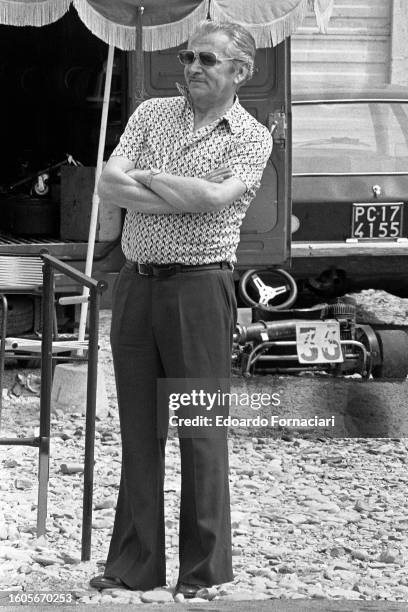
(394, 354)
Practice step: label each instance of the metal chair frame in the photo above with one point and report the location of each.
(49, 265)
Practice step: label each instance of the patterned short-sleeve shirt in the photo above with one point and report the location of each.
(160, 134)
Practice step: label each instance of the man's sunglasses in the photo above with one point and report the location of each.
(206, 58)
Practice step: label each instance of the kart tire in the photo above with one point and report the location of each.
(394, 354)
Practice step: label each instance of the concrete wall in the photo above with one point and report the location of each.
(399, 43)
(366, 45)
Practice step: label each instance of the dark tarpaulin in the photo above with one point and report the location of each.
(168, 23)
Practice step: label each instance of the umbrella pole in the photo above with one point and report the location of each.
(95, 198)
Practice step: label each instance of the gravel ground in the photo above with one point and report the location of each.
(312, 518)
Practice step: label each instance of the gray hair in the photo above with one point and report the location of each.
(242, 45)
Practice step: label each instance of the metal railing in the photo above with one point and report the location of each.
(96, 288)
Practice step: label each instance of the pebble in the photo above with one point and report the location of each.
(311, 493)
(238, 518)
(255, 486)
(362, 506)
(342, 593)
(350, 516)
(45, 560)
(311, 469)
(389, 556)
(71, 468)
(315, 591)
(274, 552)
(196, 600)
(292, 582)
(272, 492)
(361, 555)
(207, 594)
(297, 519)
(70, 559)
(106, 503)
(179, 598)
(158, 596)
(10, 553)
(244, 596)
(101, 524)
(285, 569)
(323, 507)
(23, 484)
(274, 467)
(342, 565)
(12, 532)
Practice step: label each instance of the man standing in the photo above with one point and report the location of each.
(186, 170)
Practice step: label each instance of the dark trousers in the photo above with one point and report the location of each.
(177, 327)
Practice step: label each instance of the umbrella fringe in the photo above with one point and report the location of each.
(155, 37)
(33, 13)
(323, 10)
(272, 33)
(172, 34)
(121, 36)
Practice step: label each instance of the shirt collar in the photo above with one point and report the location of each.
(233, 116)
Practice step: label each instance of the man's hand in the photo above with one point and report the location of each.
(219, 175)
(118, 187)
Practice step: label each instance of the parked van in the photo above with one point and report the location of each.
(52, 108)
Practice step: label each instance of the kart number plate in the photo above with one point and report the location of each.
(377, 221)
(319, 342)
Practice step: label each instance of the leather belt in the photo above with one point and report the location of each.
(164, 270)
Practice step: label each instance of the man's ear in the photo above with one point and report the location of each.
(241, 75)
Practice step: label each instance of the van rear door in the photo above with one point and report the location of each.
(265, 232)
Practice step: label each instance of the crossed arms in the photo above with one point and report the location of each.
(123, 185)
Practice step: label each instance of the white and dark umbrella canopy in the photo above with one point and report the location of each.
(169, 23)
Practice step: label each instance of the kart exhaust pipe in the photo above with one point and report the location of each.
(262, 331)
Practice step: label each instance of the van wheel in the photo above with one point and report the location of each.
(394, 354)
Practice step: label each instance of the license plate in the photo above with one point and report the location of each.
(377, 220)
(318, 342)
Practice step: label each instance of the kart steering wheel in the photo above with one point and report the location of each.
(285, 283)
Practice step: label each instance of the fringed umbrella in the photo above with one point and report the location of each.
(168, 23)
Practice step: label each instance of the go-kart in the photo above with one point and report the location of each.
(325, 337)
